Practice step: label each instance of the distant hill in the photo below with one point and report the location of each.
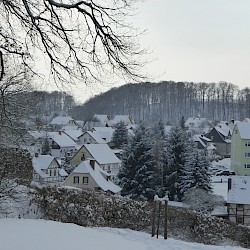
(169, 101)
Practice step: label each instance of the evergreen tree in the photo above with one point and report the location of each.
(138, 176)
(120, 135)
(182, 123)
(45, 147)
(178, 147)
(199, 176)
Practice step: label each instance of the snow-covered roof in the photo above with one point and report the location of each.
(167, 129)
(106, 133)
(178, 204)
(246, 120)
(195, 122)
(244, 130)
(106, 185)
(62, 139)
(96, 136)
(223, 130)
(240, 189)
(37, 134)
(61, 120)
(62, 172)
(102, 153)
(196, 138)
(121, 118)
(101, 118)
(42, 161)
(73, 133)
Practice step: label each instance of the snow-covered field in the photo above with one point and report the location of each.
(22, 234)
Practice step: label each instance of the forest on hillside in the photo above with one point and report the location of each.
(169, 101)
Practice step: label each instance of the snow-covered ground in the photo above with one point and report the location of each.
(23, 234)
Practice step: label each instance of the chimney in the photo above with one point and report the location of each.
(36, 154)
(92, 163)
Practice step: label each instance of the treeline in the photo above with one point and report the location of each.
(169, 101)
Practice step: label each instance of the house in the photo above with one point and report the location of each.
(204, 144)
(102, 119)
(62, 145)
(90, 137)
(102, 154)
(246, 120)
(74, 134)
(197, 125)
(105, 133)
(60, 121)
(240, 149)
(238, 199)
(122, 118)
(89, 176)
(221, 138)
(46, 169)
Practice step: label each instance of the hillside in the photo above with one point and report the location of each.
(40, 235)
(169, 101)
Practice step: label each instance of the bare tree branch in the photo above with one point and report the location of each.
(80, 39)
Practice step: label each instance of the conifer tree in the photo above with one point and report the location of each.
(196, 173)
(138, 176)
(178, 147)
(120, 135)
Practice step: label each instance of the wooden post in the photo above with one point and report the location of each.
(153, 220)
(166, 220)
(158, 220)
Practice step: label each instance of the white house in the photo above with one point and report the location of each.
(197, 125)
(74, 134)
(238, 199)
(105, 133)
(122, 118)
(102, 119)
(90, 137)
(89, 176)
(102, 154)
(46, 169)
(61, 121)
(62, 145)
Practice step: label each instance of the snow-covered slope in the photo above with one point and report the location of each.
(21, 234)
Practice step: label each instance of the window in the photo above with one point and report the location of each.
(85, 180)
(247, 165)
(83, 157)
(236, 131)
(76, 179)
(50, 173)
(55, 172)
(247, 155)
(247, 144)
(85, 139)
(240, 219)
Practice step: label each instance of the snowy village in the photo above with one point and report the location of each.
(124, 124)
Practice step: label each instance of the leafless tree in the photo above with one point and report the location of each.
(13, 105)
(79, 39)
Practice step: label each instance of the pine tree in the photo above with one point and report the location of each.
(138, 176)
(120, 135)
(196, 173)
(45, 147)
(178, 147)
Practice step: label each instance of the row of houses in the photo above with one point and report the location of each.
(74, 157)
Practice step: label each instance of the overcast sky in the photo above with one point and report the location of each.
(194, 40)
(198, 40)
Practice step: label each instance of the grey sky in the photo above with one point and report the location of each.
(197, 40)
(192, 40)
